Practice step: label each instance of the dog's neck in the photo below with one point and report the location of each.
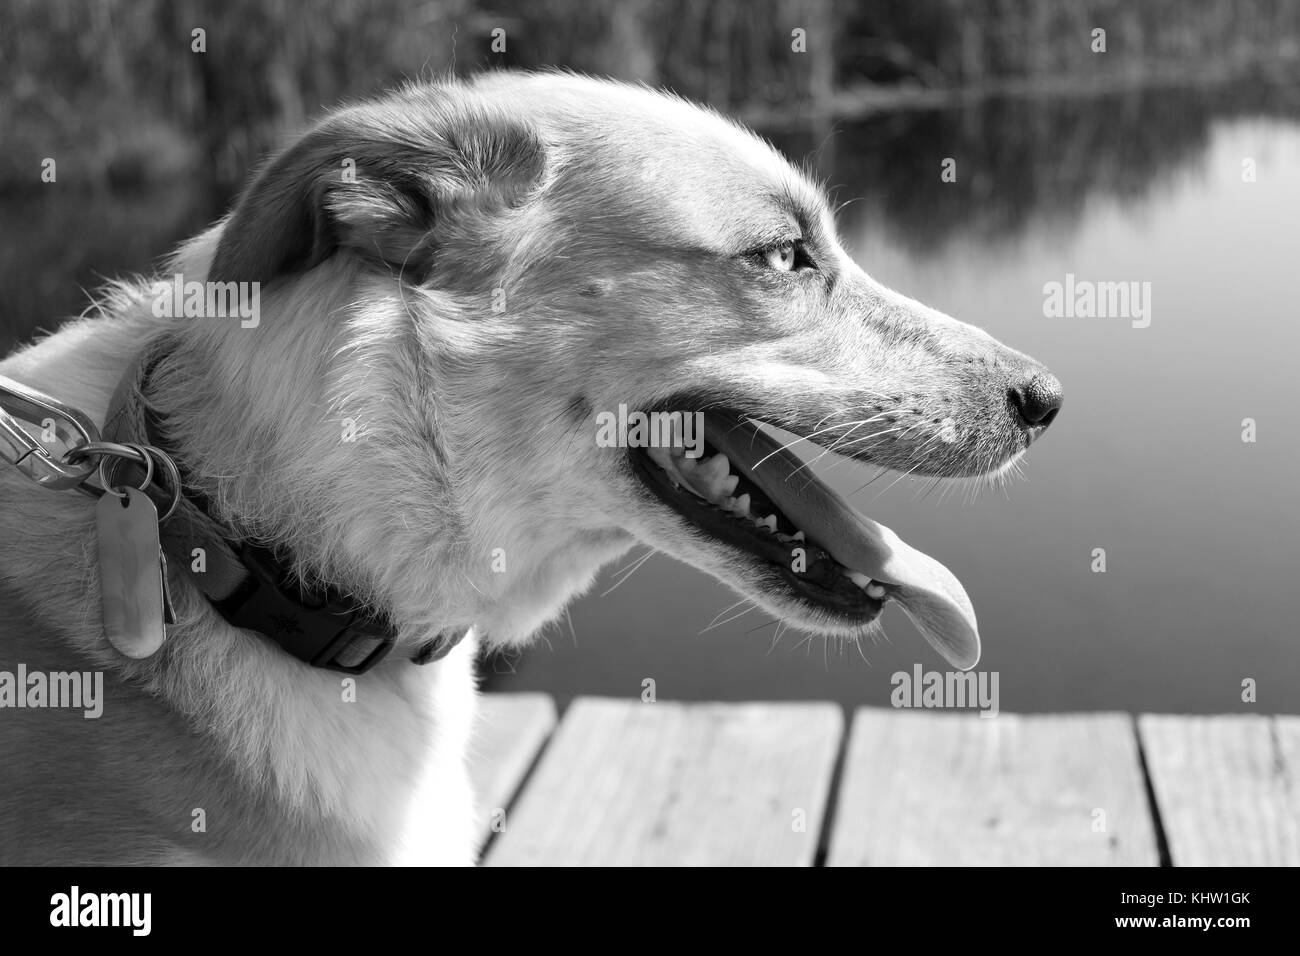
(250, 583)
(285, 726)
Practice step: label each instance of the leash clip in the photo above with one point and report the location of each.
(67, 427)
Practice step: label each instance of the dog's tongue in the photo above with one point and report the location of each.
(927, 591)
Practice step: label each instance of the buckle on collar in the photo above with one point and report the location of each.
(323, 629)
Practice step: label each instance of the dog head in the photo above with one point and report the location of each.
(526, 295)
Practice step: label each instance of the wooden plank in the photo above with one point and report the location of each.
(631, 783)
(511, 729)
(1227, 787)
(924, 789)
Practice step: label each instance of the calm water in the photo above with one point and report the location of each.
(1201, 531)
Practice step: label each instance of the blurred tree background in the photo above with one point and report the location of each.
(113, 89)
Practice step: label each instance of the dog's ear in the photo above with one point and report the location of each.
(376, 180)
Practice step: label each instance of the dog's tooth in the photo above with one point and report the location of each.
(876, 591)
(711, 471)
(769, 523)
(741, 507)
(783, 537)
(726, 486)
(858, 578)
(661, 457)
(798, 536)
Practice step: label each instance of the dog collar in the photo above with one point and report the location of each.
(248, 584)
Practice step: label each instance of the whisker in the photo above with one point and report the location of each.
(807, 640)
(729, 607)
(834, 445)
(861, 653)
(636, 567)
(635, 561)
(736, 616)
(807, 438)
(855, 441)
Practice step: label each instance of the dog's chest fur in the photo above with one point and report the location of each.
(221, 749)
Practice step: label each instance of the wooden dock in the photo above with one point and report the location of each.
(621, 782)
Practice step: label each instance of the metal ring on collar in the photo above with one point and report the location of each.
(112, 449)
(104, 448)
(173, 479)
(152, 454)
(141, 454)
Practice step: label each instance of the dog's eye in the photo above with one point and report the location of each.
(788, 256)
(781, 258)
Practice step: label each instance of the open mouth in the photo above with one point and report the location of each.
(751, 492)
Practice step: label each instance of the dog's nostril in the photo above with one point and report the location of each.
(1038, 400)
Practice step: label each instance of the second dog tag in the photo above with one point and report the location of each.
(130, 572)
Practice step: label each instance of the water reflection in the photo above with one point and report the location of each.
(1019, 161)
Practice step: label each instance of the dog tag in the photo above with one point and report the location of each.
(131, 572)
(169, 611)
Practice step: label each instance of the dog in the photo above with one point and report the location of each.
(455, 282)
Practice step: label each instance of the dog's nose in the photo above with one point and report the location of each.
(1038, 398)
